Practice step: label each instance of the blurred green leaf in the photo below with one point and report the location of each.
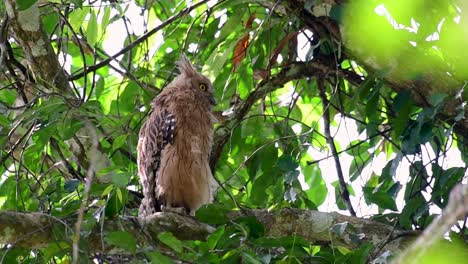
(171, 241)
(105, 18)
(25, 4)
(401, 105)
(119, 141)
(214, 237)
(123, 240)
(157, 257)
(248, 258)
(92, 29)
(77, 17)
(212, 214)
(116, 202)
(317, 192)
(254, 227)
(287, 163)
(71, 185)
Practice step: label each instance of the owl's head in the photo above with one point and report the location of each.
(200, 85)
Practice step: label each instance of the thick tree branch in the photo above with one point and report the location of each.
(38, 51)
(36, 230)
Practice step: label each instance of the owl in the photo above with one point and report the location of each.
(174, 145)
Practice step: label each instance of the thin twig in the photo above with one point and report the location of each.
(326, 120)
(87, 188)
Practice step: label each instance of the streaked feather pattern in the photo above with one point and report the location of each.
(174, 145)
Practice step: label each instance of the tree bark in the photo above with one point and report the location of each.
(37, 230)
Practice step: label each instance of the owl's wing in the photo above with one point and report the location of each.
(155, 135)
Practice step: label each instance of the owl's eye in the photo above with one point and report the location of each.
(202, 86)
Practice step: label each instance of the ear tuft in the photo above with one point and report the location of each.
(185, 66)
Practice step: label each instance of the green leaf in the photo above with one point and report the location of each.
(382, 199)
(131, 91)
(357, 238)
(53, 249)
(339, 200)
(337, 12)
(259, 187)
(254, 163)
(119, 141)
(373, 103)
(357, 165)
(269, 155)
(171, 241)
(122, 240)
(255, 228)
(71, 185)
(244, 79)
(77, 18)
(78, 3)
(418, 175)
(120, 179)
(248, 258)
(70, 128)
(107, 190)
(105, 18)
(116, 202)
(317, 192)
(157, 257)
(361, 254)
(92, 30)
(22, 5)
(212, 214)
(445, 180)
(286, 242)
(214, 237)
(13, 254)
(217, 59)
(7, 96)
(382, 192)
(412, 206)
(287, 163)
(401, 105)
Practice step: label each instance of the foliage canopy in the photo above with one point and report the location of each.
(372, 90)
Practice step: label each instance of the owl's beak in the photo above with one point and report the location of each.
(213, 100)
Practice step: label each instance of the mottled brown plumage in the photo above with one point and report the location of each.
(175, 144)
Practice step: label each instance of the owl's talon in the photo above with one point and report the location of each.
(177, 210)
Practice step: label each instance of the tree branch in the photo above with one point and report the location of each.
(37, 230)
(38, 51)
(344, 193)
